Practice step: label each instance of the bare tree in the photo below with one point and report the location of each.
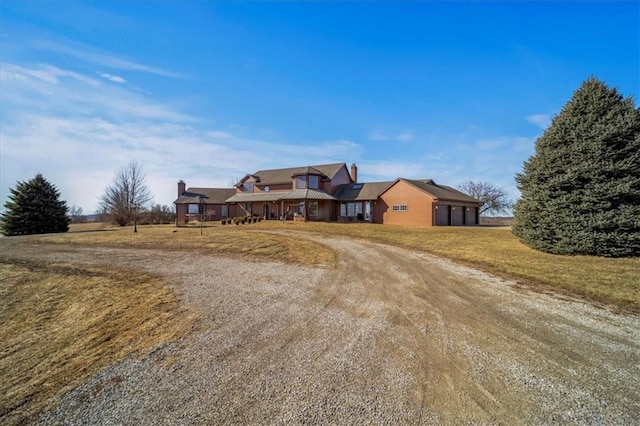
(75, 214)
(233, 182)
(126, 196)
(496, 200)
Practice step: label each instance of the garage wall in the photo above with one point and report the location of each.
(419, 206)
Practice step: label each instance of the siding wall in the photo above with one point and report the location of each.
(419, 206)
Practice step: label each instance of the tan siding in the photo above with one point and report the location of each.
(419, 206)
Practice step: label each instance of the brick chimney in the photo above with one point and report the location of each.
(354, 173)
(181, 187)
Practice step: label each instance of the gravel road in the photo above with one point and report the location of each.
(388, 336)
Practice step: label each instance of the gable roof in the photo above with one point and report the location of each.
(205, 196)
(361, 191)
(278, 176)
(441, 192)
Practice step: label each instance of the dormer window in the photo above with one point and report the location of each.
(301, 182)
(313, 182)
(247, 187)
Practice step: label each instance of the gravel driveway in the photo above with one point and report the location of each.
(388, 336)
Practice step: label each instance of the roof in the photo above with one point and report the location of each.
(307, 194)
(258, 196)
(361, 191)
(205, 196)
(276, 176)
(298, 194)
(441, 192)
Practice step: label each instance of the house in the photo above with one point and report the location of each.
(329, 192)
(203, 204)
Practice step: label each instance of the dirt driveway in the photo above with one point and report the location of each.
(389, 336)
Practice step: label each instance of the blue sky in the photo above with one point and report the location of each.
(210, 91)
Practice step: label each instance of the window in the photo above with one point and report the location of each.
(400, 207)
(193, 209)
(350, 209)
(301, 182)
(357, 186)
(247, 187)
(225, 211)
(301, 207)
(313, 208)
(313, 182)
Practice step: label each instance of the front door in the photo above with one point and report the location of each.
(266, 211)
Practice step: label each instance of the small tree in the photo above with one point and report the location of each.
(34, 207)
(75, 214)
(581, 188)
(496, 200)
(126, 195)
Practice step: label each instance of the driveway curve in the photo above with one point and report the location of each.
(388, 336)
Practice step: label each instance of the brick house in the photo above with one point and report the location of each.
(329, 192)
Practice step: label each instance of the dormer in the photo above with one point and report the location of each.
(308, 178)
(247, 183)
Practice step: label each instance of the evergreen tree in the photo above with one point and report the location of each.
(581, 188)
(34, 207)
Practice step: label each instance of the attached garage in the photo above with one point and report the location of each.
(457, 215)
(423, 202)
(472, 216)
(442, 214)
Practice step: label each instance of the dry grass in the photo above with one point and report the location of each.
(496, 250)
(62, 323)
(228, 240)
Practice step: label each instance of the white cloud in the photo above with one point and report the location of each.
(540, 120)
(114, 78)
(100, 57)
(77, 131)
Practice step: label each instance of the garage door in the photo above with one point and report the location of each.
(458, 215)
(442, 215)
(471, 216)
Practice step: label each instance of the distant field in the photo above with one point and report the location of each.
(496, 221)
(496, 250)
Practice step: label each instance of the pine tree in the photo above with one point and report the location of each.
(581, 188)
(34, 207)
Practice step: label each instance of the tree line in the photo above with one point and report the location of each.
(580, 190)
(35, 207)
